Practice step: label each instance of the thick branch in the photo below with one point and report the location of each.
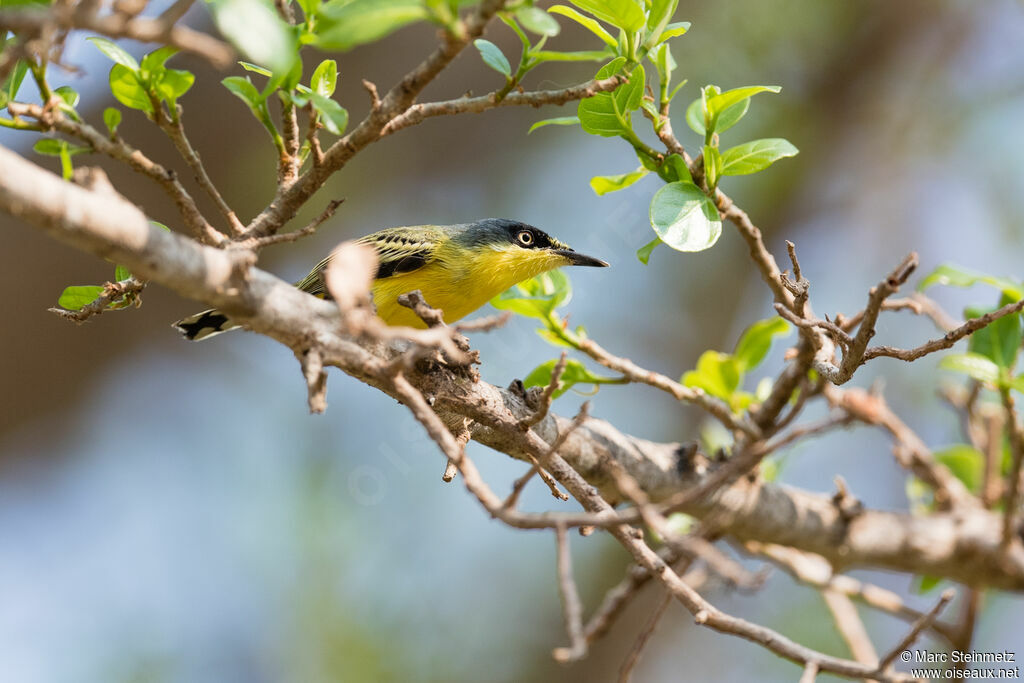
(963, 545)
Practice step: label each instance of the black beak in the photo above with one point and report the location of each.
(580, 259)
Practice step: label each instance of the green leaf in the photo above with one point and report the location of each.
(259, 33)
(493, 56)
(115, 52)
(587, 23)
(957, 276)
(717, 373)
(660, 13)
(334, 116)
(972, 364)
(757, 155)
(926, 584)
(685, 218)
(726, 120)
(608, 113)
(541, 56)
(603, 184)
(174, 83)
(54, 148)
(242, 87)
(75, 297)
(153, 64)
(68, 95)
(121, 273)
(1017, 383)
(112, 119)
(347, 24)
(644, 252)
(10, 87)
(712, 165)
(998, 341)
(256, 69)
(625, 14)
(559, 121)
(575, 373)
(325, 78)
(717, 104)
(128, 90)
(537, 297)
(538, 21)
(756, 340)
(675, 169)
(160, 225)
(965, 462)
(674, 30)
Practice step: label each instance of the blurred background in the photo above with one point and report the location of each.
(171, 512)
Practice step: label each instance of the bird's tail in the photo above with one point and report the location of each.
(205, 324)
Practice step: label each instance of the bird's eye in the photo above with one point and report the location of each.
(525, 238)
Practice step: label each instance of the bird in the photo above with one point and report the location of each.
(458, 269)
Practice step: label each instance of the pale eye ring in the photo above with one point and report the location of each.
(525, 238)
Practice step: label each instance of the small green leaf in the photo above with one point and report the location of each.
(608, 113)
(493, 56)
(68, 95)
(998, 341)
(965, 462)
(673, 30)
(587, 23)
(537, 297)
(751, 157)
(256, 69)
(112, 119)
(54, 148)
(121, 273)
(575, 373)
(675, 169)
(160, 225)
(333, 115)
(756, 340)
(538, 21)
(717, 104)
(174, 83)
(726, 120)
(972, 364)
(712, 165)
(559, 121)
(603, 184)
(115, 52)
(541, 56)
(659, 14)
(957, 276)
(75, 297)
(345, 24)
(9, 88)
(325, 78)
(1017, 383)
(259, 33)
(644, 252)
(625, 14)
(242, 87)
(153, 64)
(685, 218)
(926, 584)
(717, 373)
(128, 90)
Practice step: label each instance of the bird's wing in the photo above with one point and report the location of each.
(400, 250)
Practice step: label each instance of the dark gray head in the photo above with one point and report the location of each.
(501, 232)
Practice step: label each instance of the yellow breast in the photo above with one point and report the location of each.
(459, 281)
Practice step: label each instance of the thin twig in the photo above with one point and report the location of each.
(920, 625)
(1012, 497)
(572, 609)
(128, 290)
(626, 670)
(544, 400)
